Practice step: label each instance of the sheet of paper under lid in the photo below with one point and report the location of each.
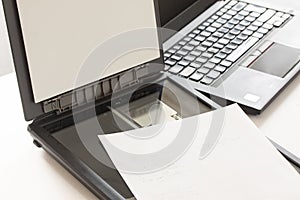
(242, 163)
(59, 37)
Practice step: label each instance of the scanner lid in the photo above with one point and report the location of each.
(51, 40)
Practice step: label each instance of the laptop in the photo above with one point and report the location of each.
(232, 51)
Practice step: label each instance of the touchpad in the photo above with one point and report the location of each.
(278, 60)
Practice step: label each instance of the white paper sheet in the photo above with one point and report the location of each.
(243, 164)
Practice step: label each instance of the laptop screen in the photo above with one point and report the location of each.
(171, 9)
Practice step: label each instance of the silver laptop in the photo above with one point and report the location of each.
(231, 50)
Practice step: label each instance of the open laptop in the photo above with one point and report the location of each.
(231, 50)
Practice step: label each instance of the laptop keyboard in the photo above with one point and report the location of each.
(215, 45)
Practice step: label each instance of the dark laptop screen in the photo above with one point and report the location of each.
(170, 9)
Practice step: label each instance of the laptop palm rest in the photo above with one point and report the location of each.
(277, 60)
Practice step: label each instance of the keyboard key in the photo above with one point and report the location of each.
(232, 46)
(221, 21)
(170, 62)
(258, 35)
(234, 56)
(206, 24)
(195, 65)
(226, 63)
(232, 3)
(188, 48)
(205, 33)
(266, 16)
(223, 41)
(182, 43)
(192, 35)
(176, 69)
(167, 55)
(239, 6)
(212, 39)
(190, 58)
(254, 8)
(255, 14)
(245, 23)
(225, 9)
(221, 55)
(216, 25)
(218, 46)
(211, 29)
(229, 36)
(184, 63)
(215, 60)
(213, 50)
(209, 65)
(239, 17)
(220, 69)
(219, 13)
(218, 34)
(188, 71)
(263, 30)
(176, 57)
(203, 70)
(207, 55)
(182, 52)
(197, 32)
(242, 37)
(278, 23)
(177, 47)
(240, 27)
(206, 80)
(234, 21)
(257, 23)
(172, 51)
(201, 48)
(226, 50)
(194, 43)
(196, 77)
(200, 38)
(247, 32)
(224, 30)
(268, 26)
(213, 74)
(201, 28)
(286, 16)
(237, 41)
(252, 28)
(228, 25)
(187, 39)
(201, 60)
(226, 17)
(231, 12)
(196, 53)
(244, 13)
(207, 44)
(235, 31)
(215, 17)
(250, 19)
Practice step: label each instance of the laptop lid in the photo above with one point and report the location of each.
(51, 39)
(175, 14)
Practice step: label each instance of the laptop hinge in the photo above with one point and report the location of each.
(98, 90)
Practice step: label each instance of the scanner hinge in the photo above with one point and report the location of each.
(98, 90)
